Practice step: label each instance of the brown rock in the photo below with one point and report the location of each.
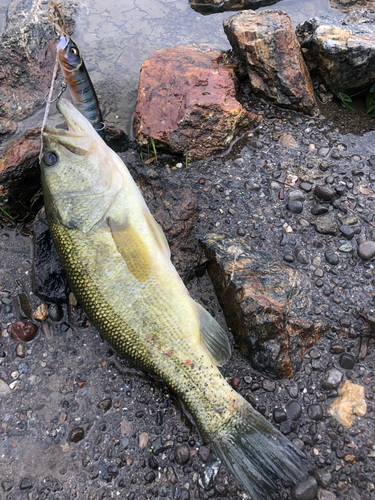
(20, 172)
(23, 331)
(346, 5)
(350, 403)
(266, 42)
(264, 303)
(126, 427)
(27, 58)
(41, 312)
(175, 208)
(187, 102)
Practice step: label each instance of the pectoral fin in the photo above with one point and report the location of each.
(213, 336)
(158, 234)
(132, 248)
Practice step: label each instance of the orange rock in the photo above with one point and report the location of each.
(350, 403)
(187, 102)
(266, 42)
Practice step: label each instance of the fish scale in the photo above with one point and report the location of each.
(117, 261)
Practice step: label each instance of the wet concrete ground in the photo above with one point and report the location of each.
(70, 426)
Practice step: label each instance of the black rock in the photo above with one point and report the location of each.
(26, 483)
(153, 462)
(306, 490)
(319, 210)
(55, 312)
(279, 415)
(315, 412)
(285, 427)
(288, 258)
(48, 278)
(76, 435)
(347, 361)
(324, 192)
(105, 404)
(324, 477)
(305, 186)
(182, 454)
(347, 231)
(295, 206)
(293, 410)
(150, 476)
(302, 255)
(331, 257)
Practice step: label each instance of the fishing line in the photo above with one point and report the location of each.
(50, 95)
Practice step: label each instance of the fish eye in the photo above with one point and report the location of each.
(50, 158)
(74, 51)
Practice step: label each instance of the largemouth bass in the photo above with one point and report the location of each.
(117, 261)
(79, 82)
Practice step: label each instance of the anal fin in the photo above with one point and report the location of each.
(132, 248)
(213, 336)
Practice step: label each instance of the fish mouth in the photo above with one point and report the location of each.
(79, 135)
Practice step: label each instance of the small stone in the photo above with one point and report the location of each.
(275, 185)
(235, 382)
(209, 472)
(76, 435)
(182, 454)
(350, 220)
(345, 322)
(326, 495)
(46, 330)
(323, 477)
(41, 313)
(324, 192)
(337, 349)
(248, 379)
(285, 428)
(327, 224)
(26, 483)
(303, 222)
(347, 232)
(366, 250)
(22, 305)
(21, 350)
(171, 476)
(306, 490)
(23, 331)
(296, 195)
(319, 210)
(150, 477)
(323, 152)
(292, 391)
(279, 415)
(143, 440)
(4, 388)
(305, 186)
(331, 257)
(72, 300)
(302, 255)
(105, 404)
(288, 141)
(347, 361)
(268, 385)
(204, 453)
(349, 459)
(315, 412)
(55, 312)
(288, 258)
(293, 410)
(317, 261)
(319, 273)
(125, 426)
(332, 378)
(346, 248)
(295, 206)
(7, 485)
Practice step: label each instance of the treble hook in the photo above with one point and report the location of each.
(64, 86)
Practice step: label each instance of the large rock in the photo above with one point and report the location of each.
(187, 102)
(343, 54)
(266, 43)
(20, 172)
(27, 58)
(213, 6)
(346, 5)
(265, 304)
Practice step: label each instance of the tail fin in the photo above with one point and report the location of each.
(257, 454)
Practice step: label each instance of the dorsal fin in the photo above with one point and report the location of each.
(213, 336)
(132, 248)
(158, 234)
